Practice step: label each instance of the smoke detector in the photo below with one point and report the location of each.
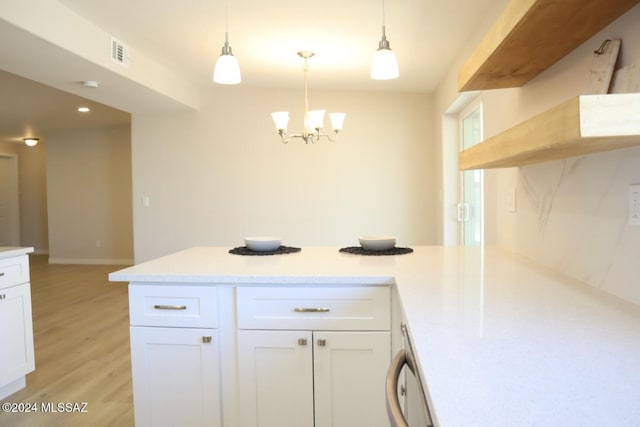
(119, 52)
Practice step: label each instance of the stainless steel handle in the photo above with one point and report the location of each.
(302, 341)
(207, 339)
(322, 343)
(311, 310)
(2, 296)
(170, 307)
(1, 274)
(394, 411)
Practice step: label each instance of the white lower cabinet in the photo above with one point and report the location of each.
(17, 357)
(259, 356)
(175, 355)
(349, 378)
(276, 378)
(313, 378)
(319, 378)
(176, 380)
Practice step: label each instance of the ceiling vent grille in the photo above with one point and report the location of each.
(119, 52)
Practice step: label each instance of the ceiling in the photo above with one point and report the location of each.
(426, 35)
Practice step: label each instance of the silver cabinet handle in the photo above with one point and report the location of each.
(2, 296)
(322, 343)
(394, 411)
(170, 307)
(302, 341)
(311, 310)
(1, 273)
(207, 339)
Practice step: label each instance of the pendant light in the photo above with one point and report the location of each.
(227, 69)
(384, 65)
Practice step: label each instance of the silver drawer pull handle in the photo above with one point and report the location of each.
(2, 296)
(1, 274)
(311, 310)
(170, 307)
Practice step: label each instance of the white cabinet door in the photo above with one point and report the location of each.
(276, 378)
(349, 374)
(16, 352)
(176, 378)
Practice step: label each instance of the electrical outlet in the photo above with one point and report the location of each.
(634, 204)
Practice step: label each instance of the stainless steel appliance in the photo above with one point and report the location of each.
(416, 410)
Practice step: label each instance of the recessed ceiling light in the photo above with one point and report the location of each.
(90, 83)
(84, 109)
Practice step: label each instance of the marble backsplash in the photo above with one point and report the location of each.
(572, 216)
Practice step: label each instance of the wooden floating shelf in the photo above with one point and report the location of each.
(583, 125)
(531, 35)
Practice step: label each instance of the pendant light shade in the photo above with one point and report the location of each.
(227, 69)
(384, 65)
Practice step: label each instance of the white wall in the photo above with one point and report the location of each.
(219, 174)
(571, 214)
(89, 196)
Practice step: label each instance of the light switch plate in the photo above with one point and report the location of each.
(634, 204)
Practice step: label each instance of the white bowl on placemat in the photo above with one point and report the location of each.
(377, 243)
(262, 244)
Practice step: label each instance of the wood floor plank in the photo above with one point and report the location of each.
(81, 334)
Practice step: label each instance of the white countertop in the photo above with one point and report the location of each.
(11, 251)
(499, 341)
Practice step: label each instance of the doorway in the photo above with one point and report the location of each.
(9, 201)
(471, 193)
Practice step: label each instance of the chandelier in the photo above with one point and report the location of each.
(313, 120)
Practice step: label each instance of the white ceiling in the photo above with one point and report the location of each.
(265, 35)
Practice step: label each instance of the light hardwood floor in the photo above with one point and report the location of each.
(81, 333)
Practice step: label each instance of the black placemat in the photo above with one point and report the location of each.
(243, 250)
(359, 250)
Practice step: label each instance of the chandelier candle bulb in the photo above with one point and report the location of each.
(316, 120)
(281, 120)
(337, 121)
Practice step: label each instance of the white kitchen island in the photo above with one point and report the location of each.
(499, 341)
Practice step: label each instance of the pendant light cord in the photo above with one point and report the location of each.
(384, 35)
(226, 22)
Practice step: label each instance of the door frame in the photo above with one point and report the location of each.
(473, 105)
(14, 198)
(451, 176)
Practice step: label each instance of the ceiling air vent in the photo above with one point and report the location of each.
(119, 52)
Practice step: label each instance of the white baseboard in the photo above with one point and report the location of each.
(91, 261)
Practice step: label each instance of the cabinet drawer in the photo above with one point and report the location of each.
(323, 308)
(14, 271)
(173, 305)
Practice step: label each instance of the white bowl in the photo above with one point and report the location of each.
(377, 243)
(262, 244)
